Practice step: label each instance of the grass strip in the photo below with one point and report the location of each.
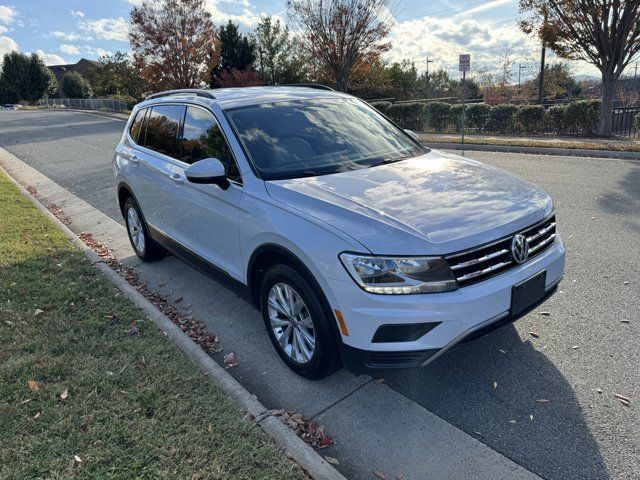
(85, 395)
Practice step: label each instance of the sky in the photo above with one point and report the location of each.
(63, 31)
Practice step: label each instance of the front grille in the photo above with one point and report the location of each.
(477, 264)
(399, 359)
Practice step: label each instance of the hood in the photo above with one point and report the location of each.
(435, 203)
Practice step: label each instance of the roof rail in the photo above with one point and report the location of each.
(308, 85)
(182, 91)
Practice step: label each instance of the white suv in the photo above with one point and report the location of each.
(360, 246)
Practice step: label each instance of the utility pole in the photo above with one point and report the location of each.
(544, 52)
(520, 67)
(427, 78)
(635, 74)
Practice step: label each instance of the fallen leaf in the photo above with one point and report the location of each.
(626, 401)
(37, 312)
(512, 421)
(625, 283)
(495, 385)
(478, 433)
(400, 476)
(33, 385)
(64, 394)
(134, 331)
(534, 334)
(331, 460)
(37, 415)
(502, 351)
(542, 400)
(25, 401)
(598, 390)
(530, 417)
(379, 380)
(575, 347)
(379, 475)
(77, 458)
(9, 322)
(624, 321)
(544, 314)
(178, 300)
(230, 360)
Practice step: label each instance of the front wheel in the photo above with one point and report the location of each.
(297, 323)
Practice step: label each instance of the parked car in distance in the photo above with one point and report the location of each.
(361, 247)
(10, 106)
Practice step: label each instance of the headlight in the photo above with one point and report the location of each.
(399, 275)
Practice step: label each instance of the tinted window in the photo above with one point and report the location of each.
(202, 138)
(163, 124)
(318, 137)
(137, 124)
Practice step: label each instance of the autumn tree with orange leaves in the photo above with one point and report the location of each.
(339, 34)
(174, 42)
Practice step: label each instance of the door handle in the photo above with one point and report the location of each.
(177, 179)
(134, 159)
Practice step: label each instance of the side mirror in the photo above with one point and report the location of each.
(411, 133)
(207, 171)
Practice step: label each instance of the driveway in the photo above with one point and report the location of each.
(585, 347)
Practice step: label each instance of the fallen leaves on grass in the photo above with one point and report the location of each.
(59, 213)
(33, 385)
(64, 394)
(311, 432)
(207, 340)
(37, 312)
(230, 360)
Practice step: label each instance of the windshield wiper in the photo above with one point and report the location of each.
(306, 173)
(394, 159)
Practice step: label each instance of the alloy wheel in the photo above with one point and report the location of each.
(136, 232)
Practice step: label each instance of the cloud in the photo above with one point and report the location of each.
(71, 37)
(245, 18)
(7, 45)
(7, 14)
(69, 49)
(3, 29)
(107, 28)
(77, 14)
(95, 52)
(484, 7)
(50, 58)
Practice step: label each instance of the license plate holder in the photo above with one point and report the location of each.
(528, 292)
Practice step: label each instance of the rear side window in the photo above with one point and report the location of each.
(137, 125)
(163, 125)
(202, 138)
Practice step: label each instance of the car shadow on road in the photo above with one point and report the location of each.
(625, 201)
(530, 414)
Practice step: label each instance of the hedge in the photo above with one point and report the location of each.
(637, 123)
(531, 118)
(580, 117)
(408, 115)
(477, 115)
(437, 115)
(501, 118)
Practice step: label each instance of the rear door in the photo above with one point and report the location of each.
(157, 150)
(206, 217)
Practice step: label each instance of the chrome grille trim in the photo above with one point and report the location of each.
(477, 264)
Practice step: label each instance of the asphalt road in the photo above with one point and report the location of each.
(587, 344)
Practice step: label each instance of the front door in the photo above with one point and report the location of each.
(206, 217)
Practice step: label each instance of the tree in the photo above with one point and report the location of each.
(558, 82)
(239, 78)
(604, 33)
(118, 78)
(74, 85)
(340, 33)
(280, 58)
(8, 94)
(26, 76)
(174, 42)
(237, 51)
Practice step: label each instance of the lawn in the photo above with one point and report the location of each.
(83, 395)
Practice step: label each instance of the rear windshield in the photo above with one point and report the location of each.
(316, 137)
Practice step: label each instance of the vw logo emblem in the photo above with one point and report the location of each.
(520, 248)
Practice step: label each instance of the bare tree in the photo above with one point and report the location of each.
(174, 42)
(340, 33)
(605, 33)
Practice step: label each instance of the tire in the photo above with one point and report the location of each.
(325, 358)
(138, 232)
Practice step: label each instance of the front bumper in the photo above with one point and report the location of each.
(458, 316)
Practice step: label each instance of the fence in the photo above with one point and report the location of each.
(86, 103)
(622, 122)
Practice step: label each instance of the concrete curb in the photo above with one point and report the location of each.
(569, 152)
(301, 453)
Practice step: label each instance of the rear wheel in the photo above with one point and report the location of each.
(144, 246)
(297, 323)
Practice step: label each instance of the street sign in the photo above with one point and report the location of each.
(464, 64)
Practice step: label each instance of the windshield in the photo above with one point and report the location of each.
(317, 137)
